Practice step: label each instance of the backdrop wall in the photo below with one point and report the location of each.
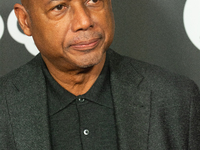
(161, 32)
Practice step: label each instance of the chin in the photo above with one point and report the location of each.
(86, 66)
(88, 62)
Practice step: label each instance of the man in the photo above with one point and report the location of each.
(79, 94)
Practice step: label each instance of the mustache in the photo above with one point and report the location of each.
(85, 36)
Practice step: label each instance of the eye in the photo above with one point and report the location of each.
(92, 1)
(59, 7)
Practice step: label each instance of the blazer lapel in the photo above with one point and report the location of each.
(27, 104)
(132, 105)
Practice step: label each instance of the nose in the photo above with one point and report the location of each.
(81, 19)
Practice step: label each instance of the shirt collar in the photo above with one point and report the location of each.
(99, 93)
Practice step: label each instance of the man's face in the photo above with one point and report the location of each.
(73, 33)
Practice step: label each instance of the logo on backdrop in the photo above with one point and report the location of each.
(1, 27)
(20, 37)
(191, 19)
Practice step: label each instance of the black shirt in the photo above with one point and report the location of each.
(82, 122)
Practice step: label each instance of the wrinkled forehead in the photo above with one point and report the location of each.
(33, 4)
(26, 2)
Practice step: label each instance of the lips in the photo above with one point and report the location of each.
(85, 45)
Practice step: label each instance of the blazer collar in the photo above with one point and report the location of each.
(27, 104)
(131, 102)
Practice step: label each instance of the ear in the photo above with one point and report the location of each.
(23, 18)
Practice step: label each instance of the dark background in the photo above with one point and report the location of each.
(148, 30)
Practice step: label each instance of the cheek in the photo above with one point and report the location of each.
(50, 36)
(107, 24)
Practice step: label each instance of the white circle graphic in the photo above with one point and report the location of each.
(18, 36)
(191, 19)
(1, 27)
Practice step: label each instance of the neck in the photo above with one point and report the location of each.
(78, 81)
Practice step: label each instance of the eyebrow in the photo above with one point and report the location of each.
(49, 1)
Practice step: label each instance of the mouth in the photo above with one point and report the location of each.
(85, 45)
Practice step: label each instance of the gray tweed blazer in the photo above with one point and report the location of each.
(154, 109)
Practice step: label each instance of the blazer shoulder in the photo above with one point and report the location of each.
(156, 78)
(162, 78)
(22, 72)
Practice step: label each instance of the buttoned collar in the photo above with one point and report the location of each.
(59, 98)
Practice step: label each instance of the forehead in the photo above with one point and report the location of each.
(25, 2)
(36, 4)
